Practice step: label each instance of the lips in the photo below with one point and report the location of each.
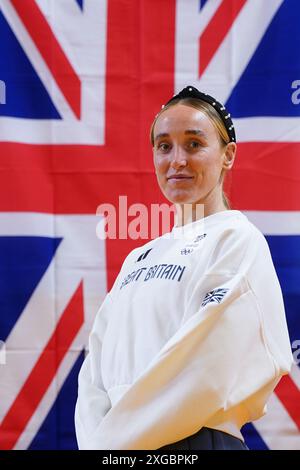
(179, 177)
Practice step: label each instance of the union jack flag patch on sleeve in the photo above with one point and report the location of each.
(215, 295)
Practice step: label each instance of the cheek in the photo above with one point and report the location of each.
(207, 165)
(160, 164)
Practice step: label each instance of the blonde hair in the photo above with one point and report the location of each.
(214, 117)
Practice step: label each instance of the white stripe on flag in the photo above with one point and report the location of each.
(50, 396)
(277, 428)
(238, 47)
(190, 24)
(268, 129)
(275, 222)
(295, 375)
(37, 61)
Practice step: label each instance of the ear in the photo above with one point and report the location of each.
(229, 156)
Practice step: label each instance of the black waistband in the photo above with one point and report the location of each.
(208, 439)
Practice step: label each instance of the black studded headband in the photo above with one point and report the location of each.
(192, 92)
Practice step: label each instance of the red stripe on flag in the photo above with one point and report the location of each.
(289, 394)
(43, 372)
(266, 177)
(51, 51)
(216, 30)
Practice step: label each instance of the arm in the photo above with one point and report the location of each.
(93, 402)
(217, 359)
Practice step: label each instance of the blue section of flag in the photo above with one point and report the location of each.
(26, 96)
(265, 87)
(202, 3)
(23, 262)
(252, 438)
(285, 252)
(80, 3)
(57, 431)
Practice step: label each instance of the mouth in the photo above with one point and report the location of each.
(179, 178)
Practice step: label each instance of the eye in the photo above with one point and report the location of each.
(164, 146)
(194, 144)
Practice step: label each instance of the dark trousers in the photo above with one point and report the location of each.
(208, 439)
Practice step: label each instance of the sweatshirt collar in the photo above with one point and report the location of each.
(205, 222)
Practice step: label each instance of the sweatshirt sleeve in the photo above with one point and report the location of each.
(92, 401)
(219, 357)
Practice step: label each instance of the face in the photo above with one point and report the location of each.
(188, 155)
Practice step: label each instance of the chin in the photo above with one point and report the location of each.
(180, 197)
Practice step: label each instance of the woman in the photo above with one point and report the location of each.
(192, 338)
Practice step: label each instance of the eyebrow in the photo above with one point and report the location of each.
(195, 132)
(162, 134)
(187, 132)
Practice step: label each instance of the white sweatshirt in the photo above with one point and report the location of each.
(193, 333)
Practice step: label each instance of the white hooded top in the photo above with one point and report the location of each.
(193, 333)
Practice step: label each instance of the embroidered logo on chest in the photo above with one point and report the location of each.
(189, 248)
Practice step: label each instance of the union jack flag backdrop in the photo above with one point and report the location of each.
(83, 81)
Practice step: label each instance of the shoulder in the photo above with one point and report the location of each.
(241, 230)
(254, 245)
(236, 241)
(251, 233)
(231, 227)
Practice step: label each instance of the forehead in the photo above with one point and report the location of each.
(180, 117)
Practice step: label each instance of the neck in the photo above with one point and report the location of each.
(190, 212)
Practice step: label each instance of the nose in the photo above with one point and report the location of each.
(178, 158)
